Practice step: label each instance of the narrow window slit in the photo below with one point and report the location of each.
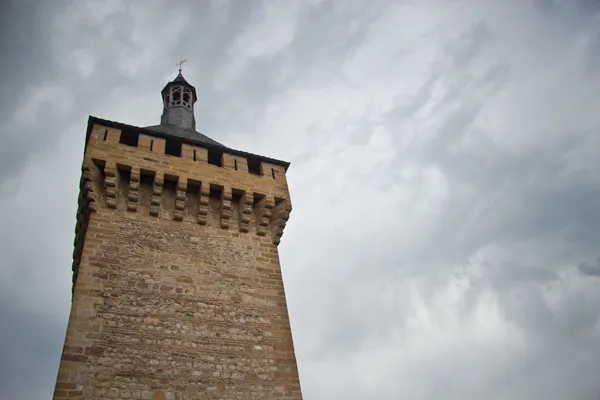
(151, 144)
(235, 164)
(194, 155)
(105, 134)
(273, 172)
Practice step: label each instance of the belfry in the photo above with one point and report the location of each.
(177, 287)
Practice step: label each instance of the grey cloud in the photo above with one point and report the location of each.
(45, 60)
(590, 269)
(28, 352)
(534, 197)
(484, 277)
(263, 78)
(572, 12)
(25, 43)
(537, 202)
(55, 38)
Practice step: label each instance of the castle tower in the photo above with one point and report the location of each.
(177, 288)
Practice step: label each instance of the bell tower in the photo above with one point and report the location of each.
(178, 103)
(177, 287)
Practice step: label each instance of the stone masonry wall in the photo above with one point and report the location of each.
(178, 291)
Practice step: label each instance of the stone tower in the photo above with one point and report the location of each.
(177, 288)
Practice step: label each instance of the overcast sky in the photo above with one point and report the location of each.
(445, 177)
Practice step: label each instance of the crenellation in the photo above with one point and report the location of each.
(228, 161)
(106, 134)
(273, 171)
(194, 153)
(267, 171)
(187, 151)
(200, 154)
(151, 144)
(235, 163)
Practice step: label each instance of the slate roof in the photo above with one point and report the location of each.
(180, 79)
(184, 133)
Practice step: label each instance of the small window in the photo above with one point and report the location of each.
(215, 157)
(129, 138)
(235, 163)
(273, 172)
(173, 147)
(105, 134)
(254, 166)
(194, 155)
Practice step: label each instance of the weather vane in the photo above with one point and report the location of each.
(180, 63)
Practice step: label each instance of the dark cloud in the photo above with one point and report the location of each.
(25, 41)
(29, 351)
(590, 269)
(26, 45)
(444, 178)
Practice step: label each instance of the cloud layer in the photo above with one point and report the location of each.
(444, 238)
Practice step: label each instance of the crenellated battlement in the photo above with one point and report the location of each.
(135, 174)
(197, 200)
(144, 149)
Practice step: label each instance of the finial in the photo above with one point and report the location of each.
(180, 63)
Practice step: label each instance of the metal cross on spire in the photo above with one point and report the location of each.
(180, 63)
